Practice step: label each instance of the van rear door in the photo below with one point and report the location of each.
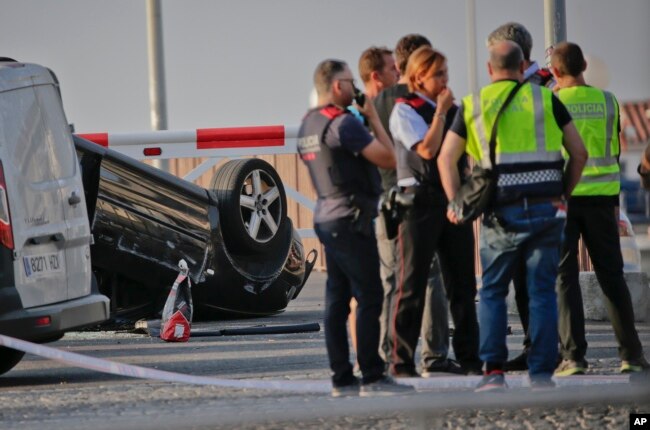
(36, 202)
(63, 158)
(49, 219)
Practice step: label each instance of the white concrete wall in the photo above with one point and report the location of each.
(592, 296)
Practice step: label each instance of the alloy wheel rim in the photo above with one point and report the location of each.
(260, 206)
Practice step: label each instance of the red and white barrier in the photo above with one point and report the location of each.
(202, 142)
(211, 143)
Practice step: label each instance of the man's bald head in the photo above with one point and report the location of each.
(506, 56)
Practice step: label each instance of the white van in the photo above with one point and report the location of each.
(45, 270)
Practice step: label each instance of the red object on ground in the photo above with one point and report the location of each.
(177, 314)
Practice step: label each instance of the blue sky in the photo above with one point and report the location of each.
(250, 62)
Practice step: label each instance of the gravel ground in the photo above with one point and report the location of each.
(42, 394)
(591, 417)
(161, 406)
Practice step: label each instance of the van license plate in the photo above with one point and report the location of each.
(38, 265)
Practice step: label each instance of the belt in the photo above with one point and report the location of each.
(530, 201)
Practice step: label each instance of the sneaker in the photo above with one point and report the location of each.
(346, 390)
(443, 366)
(494, 382)
(634, 366)
(520, 362)
(542, 384)
(385, 386)
(571, 367)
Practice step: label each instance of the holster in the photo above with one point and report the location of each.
(364, 215)
(393, 208)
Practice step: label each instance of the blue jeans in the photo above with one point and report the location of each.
(534, 235)
(352, 271)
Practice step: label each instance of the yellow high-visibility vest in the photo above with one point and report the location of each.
(528, 134)
(595, 114)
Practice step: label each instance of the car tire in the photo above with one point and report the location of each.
(9, 358)
(252, 205)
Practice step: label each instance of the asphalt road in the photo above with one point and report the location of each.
(44, 394)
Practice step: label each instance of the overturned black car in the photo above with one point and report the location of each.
(244, 256)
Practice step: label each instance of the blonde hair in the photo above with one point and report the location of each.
(422, 60)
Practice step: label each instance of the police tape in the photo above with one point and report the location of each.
(130, 370)
(303, 386)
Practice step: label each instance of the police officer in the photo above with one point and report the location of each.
(537, 75)
(593, 214)
(526, 219)
(519, 34)
(377, 70)
(435, 324)
(342, 156)
(418, 124)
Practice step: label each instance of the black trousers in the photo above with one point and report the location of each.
(435, 323)
(352, 271)
(424, 230)
(599, 228)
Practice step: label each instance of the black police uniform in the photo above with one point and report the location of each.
(424, 230)
(348, 188)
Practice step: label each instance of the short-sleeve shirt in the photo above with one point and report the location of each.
(408, 128)
(349, 133)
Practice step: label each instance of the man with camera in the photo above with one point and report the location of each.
(341, 156)
(526, 216)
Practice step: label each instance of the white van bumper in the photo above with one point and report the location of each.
(50, 322)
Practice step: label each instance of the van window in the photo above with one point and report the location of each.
(39, 143)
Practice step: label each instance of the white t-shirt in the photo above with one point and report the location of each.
(408, 128)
